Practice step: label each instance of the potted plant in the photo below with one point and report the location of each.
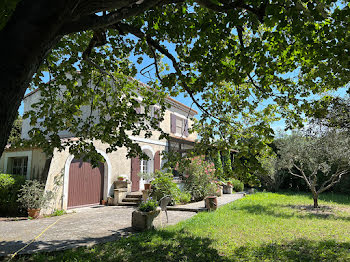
(32, 196)
(147, 177)
(120, 178)
(227, 188)
(211, 200)
(142, 218)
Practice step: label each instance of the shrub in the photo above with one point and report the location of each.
(9, 188)
(58, 212)
(219, 173)
(228, 173)
(238, 186)
(163, 185)
(185, 198)
(198, 176)
(149, 205)
(32, 195)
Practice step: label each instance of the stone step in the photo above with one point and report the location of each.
(129, 199)
(128, 204)
(134, 196)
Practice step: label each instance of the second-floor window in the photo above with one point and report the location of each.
(179, 125)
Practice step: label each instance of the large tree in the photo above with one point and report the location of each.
(234, 54)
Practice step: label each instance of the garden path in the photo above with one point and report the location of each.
(84, 227)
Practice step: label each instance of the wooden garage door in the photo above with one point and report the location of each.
(85, 184)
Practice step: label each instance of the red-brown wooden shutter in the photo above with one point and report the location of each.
(173, 123)
(135, 169)
(157, 161)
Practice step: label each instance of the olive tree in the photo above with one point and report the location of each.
(321, 161)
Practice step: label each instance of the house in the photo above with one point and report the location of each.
(76, 183)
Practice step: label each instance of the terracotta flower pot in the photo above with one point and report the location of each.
(211, 203)
(103, 202)
(148, 186)
(34, 213)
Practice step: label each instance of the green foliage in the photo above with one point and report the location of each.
(15, 135)
(146, 176)
(58, 212)
(240, 60)
(9, 188)
(148, 205)
(219, 173)
(228, 173)
(271, 177)
(185, 198)
(32, 195)
(260, 227)
(199, 174)
(238, 186)
(163, 185)
(321, 159)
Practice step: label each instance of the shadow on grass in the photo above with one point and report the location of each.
(299, 211)
(153, 245)
(180, 246)
(327, 197)
(298, 250)
(7, 248)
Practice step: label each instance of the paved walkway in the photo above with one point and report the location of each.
(199, 206)
(87, 226)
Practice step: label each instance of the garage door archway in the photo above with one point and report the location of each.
(108, 184)
(85, 184)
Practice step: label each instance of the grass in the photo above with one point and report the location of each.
(259, 227)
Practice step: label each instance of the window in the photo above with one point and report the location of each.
(144, 168)
(179, 126)
(19, 165)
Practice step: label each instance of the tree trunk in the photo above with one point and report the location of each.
(27, 38)
(315, 202)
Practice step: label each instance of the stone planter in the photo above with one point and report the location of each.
(251, 190)
(227, 189)
(144, 220)
(34, 213)
(211, 203)
(110, 201)
(219, 191)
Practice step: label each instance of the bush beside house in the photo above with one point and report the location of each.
(9, 189)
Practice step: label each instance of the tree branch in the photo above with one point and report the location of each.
(138, 33)
(92, 21)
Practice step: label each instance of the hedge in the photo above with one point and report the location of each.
(9, 187)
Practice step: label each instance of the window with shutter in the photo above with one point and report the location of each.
(179, 125)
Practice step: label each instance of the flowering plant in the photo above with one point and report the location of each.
(198, 174)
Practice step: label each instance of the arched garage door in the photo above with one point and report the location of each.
(85, 184)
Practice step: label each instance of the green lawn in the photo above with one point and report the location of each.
(260, 227)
